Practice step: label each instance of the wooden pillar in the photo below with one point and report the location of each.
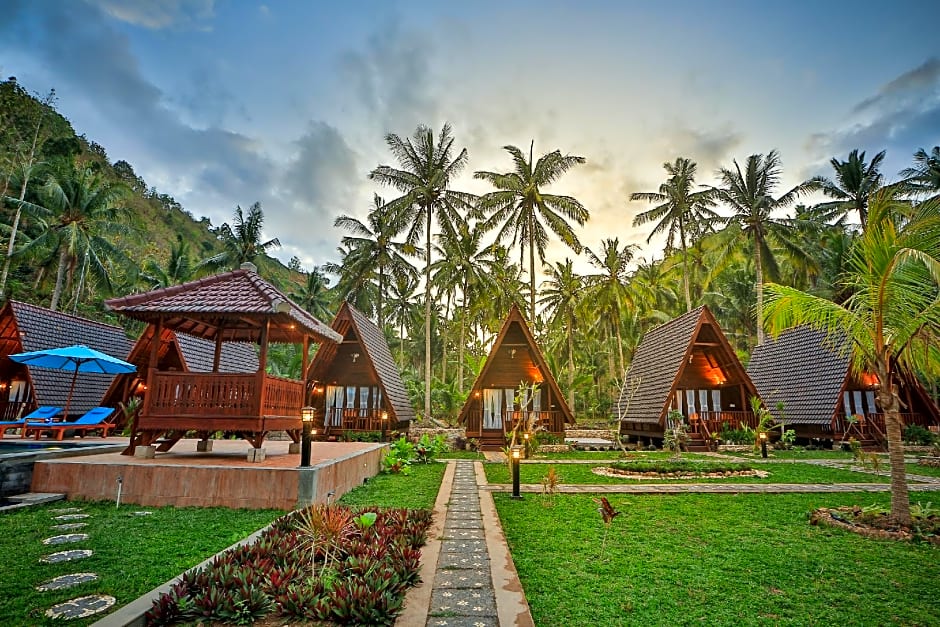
(155, 340)
(262, 364)
(304, 359)
(217, 356)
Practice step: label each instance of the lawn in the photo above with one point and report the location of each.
(132, 554)
(917, 469)
(461, 455)
(779, 473)
(417, 490)
(714, 560)
(798, 454)
(615, 454)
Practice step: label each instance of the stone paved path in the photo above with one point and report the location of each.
(462, 593)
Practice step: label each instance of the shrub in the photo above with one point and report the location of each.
(918, 435)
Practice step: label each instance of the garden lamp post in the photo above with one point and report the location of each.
(763, 444)
(516, 454)
(306, 417)
(525, 436)
(384, 423)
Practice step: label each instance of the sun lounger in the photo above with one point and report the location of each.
(44, 414)
(93, 420)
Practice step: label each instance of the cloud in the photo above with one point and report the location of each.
(709, 148)
(908, 85)
(157, 14)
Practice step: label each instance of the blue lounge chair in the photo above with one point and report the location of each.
(93, 420)
(45, 414)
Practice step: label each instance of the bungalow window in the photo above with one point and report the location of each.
(363, 402)
(334, 405)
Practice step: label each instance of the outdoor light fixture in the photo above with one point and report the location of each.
(355, 356)
(384, 423)
(516, 454)
(306, 416)
(525, 436)
(763, 445)
(512, 353)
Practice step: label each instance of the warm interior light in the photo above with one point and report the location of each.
(525, 435)
(313, 432)
(384, 415)
(515, 452)
(306, 413)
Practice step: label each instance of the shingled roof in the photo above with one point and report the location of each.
(804, 371)
(351, 323)
(25, 327)
(661, 358)
(232, 304)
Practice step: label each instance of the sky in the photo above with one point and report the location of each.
(224, 103)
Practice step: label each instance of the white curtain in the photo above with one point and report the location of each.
(363, 401)
(334, 405)
(716, 400)
(690, 402)
(492, 410)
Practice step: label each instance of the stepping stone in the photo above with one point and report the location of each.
(66, 556)
(463, 621)
(66, 581)
(72, 517)
(66, 510)
(141, 513)
(462, 534)
(66, 539)
(463, 602)
(459, 561)
(468, 547)
(69, 526)
(463, 579)
(81, 607)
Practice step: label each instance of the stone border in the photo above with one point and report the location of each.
(824, 515)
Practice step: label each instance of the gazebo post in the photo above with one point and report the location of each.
(263, 364)
(217, 356)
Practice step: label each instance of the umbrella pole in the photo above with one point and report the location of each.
(68, 400)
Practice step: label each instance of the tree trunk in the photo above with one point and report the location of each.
(890, 404)
(444, 339)
(427, 318)
(531, 271)
(381, 316)
(571, 365)
(59, 279)
(463, 336)
(685, 266)
(620, 344)
(759, 271)
(13, 230)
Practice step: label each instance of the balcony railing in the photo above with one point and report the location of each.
(355, 419)
(551, 421)
(182, 395)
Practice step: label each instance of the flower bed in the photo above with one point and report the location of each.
(678, 470)
(324, 563)
(877, 524)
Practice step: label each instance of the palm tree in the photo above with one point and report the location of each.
(855, 182)
(608, 290)
(463, 263)
(519, 207)
(315, 295)
(403, 310)
(375, 248)
(680, 211)
(355, 283)
(427, 170)
(80, 217)
(748, 194)
(241, 243)
(561, 296)
(178, 268)
(924, 177)
(892, 318)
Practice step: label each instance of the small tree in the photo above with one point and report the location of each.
(676, 436)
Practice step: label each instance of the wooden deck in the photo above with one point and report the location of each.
(551, 421)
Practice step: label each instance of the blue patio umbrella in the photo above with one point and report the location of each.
(77, 358)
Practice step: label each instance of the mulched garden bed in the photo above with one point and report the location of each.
(327, 564)
(678, 470)
(876, 525)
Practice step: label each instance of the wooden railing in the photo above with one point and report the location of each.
(355, 419)
(711, 422)
(551, 421)
(872, 426)
(178, 394)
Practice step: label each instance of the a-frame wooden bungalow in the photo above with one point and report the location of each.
(811, 376)
(236, 306)
(356, 384)
(688, 365)
(176, 352)
(25, 327)
(492, 409)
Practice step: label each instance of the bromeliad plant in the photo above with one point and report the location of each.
(326, 563)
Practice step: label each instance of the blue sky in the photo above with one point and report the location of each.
(287, 103)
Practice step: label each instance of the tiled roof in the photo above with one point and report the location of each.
(377, 352)
(656, 365)
(232, 303)
(803, 371)
(40, 328)
(235, 356)
(515, 317)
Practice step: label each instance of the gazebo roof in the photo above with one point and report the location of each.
(233, 306)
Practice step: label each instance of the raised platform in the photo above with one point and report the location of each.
(223, 477)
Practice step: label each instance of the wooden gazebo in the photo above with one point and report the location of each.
(237, 306)
(493, 407)
(356, 384)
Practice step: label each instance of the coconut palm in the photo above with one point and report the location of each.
(403, 311)
(855, 182)
(749, 195)
(356, 282)
(80, 215)
(561, 296)
(608, 290)
(376, 249)
(241, 241)
(682, 212)
(315, 295)
(428, 167)
(521, 210)
(892, 319)
(178, 268)
(924, 177)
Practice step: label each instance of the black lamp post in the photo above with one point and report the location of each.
(306, 416)
(763, 445)
(525, 437)
(384, 423)
(516, 454)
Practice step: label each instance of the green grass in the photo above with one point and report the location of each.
(796, 454)
(417, 490)
(132, 554)
(917, 469)
(779, 473)
(461, 455)
(713, 560)
(615, 454)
